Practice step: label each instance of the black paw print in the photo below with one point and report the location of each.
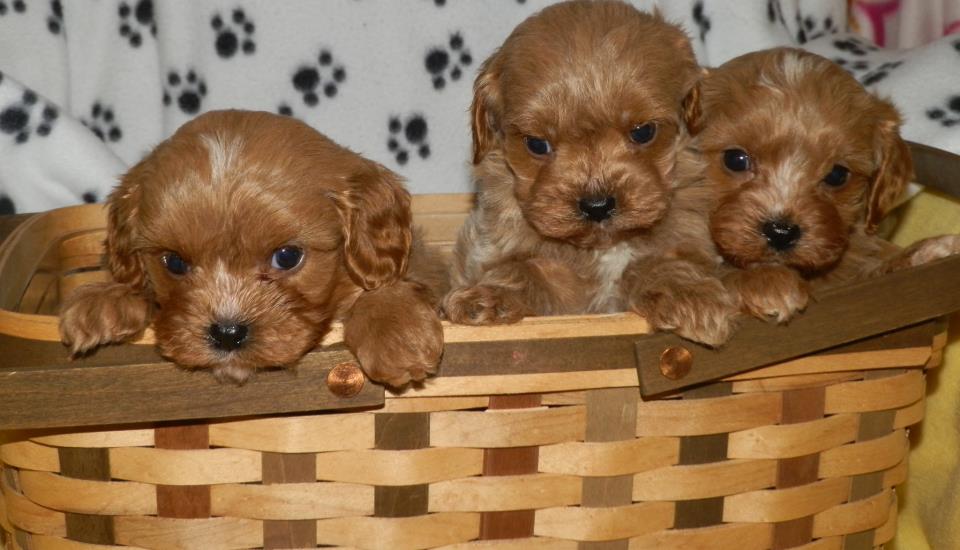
(438, 60)
(956, 46)
(17, 119)
(775, 12)
(7, 208)
(19, 6)
(133, 28)
(189, 91)
(103, 124)
(55, 19)
(325, 75)
(89, 197)
(949, 115)
(881, 72)
(853, 46)
(808, 29)
(701, 20)
(414, 132)
(229, 37)
(284, 109)
(439, 3)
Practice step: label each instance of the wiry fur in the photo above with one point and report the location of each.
(224, 192)
(582, 75)
(797, 115)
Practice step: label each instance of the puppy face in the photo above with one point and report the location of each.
(251, 232)
(583, 102)
(799, 155)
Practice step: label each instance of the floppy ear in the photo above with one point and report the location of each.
(691, 108)
(123, 260)
(893, 174)
(485, 110)
(375, 209)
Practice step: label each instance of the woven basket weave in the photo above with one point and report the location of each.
(533, 436)
(809, 450)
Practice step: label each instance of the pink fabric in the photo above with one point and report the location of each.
(902, 24)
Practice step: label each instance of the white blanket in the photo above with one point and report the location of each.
(89, 86)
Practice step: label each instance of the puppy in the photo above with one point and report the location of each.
(803, 163)
(243, 236)
(576, 121)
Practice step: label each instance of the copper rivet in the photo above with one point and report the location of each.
(675, 362)
(345, 380)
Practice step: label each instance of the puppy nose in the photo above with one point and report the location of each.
(781, 235)
(228, 337)
(597, 208)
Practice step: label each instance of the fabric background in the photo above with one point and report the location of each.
(87, 87)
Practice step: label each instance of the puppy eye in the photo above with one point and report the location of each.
(736, 160)
(837, 176)
(286, 258)
(643, 134)
(174, 263)
(537, 146)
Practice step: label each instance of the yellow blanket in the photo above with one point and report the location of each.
(930, 500)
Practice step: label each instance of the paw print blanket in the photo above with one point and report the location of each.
(88, 86)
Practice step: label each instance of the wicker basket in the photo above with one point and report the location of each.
(533, 436)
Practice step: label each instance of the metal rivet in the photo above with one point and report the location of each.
(345, 380)
(675, 362)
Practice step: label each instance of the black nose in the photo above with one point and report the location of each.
(781, 235)
(598, 208)
(228, 337)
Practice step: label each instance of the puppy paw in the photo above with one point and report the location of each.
(484, 305)
(703, 311)
(771, 293)
(932, 249)
(395, 334)
(102, 313)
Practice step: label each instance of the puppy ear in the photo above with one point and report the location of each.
(123, 260)
(485, 110)
(375, 209)
(692, 108)
(894, 173)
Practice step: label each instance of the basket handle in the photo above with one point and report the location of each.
(667, 363)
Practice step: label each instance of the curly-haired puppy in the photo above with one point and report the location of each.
(803, 163)
(577, 120)
(243, 236)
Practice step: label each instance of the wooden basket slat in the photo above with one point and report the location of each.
(30, 456)
(876, 395)
(413, 532)
(600, 524)
(297, 434)
(793, 440)
(869, 513)
(708, 416)
(99, 439)
(509, 428)
(89, 497)
(786, 504)
(292, 501)
(886, 532)
(501, 493)
(409, 404)
(403, 467)
(866, 456)
(531, 543)
(699, 481)
(157, 532)
(730, 536)
(909, 416)
(793, 382)
(615, 458)
(32, 517)
(185, 467)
